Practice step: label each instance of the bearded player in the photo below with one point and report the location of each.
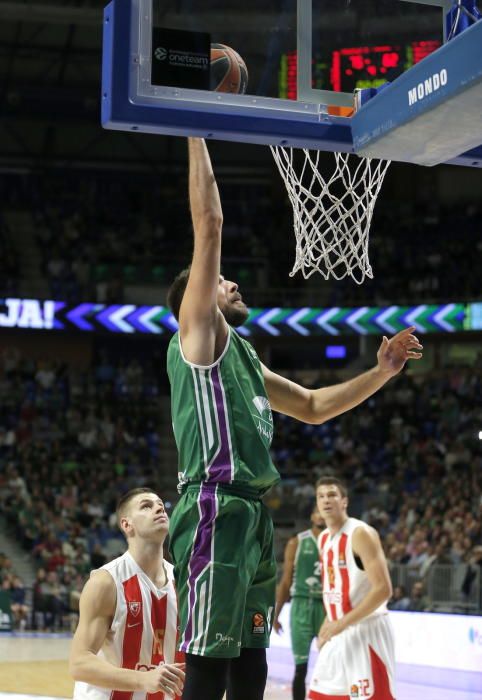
(357, 657)
(221, 399)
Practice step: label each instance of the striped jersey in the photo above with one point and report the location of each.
(306, 571)
(144, 629)
(343, 582)
(221, 417)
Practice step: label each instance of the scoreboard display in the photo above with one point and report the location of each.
(355, 67)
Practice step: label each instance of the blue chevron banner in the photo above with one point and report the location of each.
(452, 317)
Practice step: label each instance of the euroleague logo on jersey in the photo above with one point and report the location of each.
(258, 623)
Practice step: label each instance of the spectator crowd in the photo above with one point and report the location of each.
(412, 459)
(95, 236)
(72, 440)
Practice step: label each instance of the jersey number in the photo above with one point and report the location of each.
(364, 688)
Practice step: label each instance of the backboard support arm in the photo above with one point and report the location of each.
(448, 7)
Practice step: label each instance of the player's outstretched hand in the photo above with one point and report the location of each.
(167, 678)
(393, 353)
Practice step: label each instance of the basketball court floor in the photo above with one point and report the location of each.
(36, 666)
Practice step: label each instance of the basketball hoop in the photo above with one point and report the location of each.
(331, 215)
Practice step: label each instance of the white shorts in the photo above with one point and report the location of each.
(357, 663)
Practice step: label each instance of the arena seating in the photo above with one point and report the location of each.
(72, 441)
(89, 249)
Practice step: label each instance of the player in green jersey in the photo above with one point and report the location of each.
(301, 582)
(222, 396)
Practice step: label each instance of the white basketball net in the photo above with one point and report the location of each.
(332, 216)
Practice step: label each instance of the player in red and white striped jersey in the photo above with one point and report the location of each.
(125, 644)
(356, 658)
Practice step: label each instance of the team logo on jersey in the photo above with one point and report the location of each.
(263, 407)
(332, 597)
(342, 561)
(134, 608)
(354, 691)
(181, 480)
(331, 576)
(258, 623)
(264, 421)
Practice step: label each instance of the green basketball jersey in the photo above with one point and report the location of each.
(221, 417)
(306, 574)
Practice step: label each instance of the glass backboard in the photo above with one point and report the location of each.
(294, 50)
(304, 58)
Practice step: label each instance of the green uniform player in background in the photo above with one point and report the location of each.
(301, 582)
(221, 534)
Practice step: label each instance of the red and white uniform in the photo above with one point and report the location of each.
(360, 661)
(144, 629)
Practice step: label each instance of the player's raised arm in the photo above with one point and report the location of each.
(320, 405)
(202, 327)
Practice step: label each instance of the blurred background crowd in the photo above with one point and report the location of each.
(72, 440)
(81, 248)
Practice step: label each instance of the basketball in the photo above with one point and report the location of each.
(228, 70)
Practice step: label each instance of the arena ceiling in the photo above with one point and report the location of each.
(49, 75)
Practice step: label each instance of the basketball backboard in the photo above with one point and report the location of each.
(305, 58)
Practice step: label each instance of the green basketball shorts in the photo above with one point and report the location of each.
(222, 548)
(306, 617)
